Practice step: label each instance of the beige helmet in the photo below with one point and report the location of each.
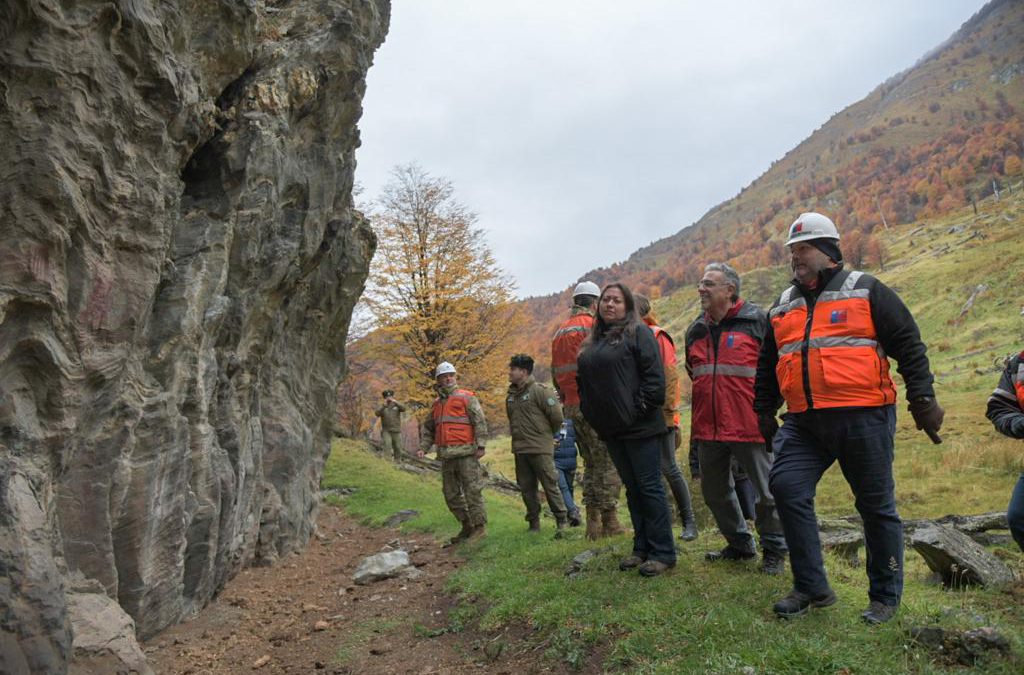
(812, 226)
(586, 288)
(444, 368)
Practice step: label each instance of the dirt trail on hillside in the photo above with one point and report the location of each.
(305, 615)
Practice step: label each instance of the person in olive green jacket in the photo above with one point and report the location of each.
(534, 417)
(390, 414)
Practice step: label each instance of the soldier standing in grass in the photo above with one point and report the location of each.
(601, 482)
(825, 352)
(1006, 411)
(722, 347)
(390, 414)
(456, 428)
(534, 417)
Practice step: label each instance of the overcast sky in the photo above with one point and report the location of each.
(580, 131)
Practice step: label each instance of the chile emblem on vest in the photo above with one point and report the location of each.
(829, 357)
(452, 425)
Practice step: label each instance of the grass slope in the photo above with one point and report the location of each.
(699, 618)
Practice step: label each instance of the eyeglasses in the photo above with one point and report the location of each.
(704, 283)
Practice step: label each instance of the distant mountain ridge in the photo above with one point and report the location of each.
(928, 140)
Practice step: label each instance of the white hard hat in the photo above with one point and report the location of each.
(586, 288)
(812, 226)
(444, 368)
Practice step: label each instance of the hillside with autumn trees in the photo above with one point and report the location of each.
(922, 144)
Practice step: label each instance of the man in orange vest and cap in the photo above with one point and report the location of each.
(826, 354)
(456, 428)
(601, 482)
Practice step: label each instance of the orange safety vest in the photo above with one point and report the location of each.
(668, 360)
(565, 347)
(452, 425)
(830, 359)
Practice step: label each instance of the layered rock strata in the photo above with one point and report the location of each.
(179, 259)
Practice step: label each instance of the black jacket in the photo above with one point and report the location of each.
(622, 386)
(1004, 409)
(897, 334)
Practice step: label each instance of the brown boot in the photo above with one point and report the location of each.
(478, 532)
(463, 534)
(610, 525)
(593, 523)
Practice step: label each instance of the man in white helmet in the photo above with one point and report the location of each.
(456, 428)
(601, 482)
(825, 354)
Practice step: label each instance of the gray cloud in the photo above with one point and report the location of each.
(581, 131)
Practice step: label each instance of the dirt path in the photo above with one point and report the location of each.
(305, 615)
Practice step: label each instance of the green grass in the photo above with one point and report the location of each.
(699, 618)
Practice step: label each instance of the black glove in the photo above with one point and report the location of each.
(768, 425)
(928, 415)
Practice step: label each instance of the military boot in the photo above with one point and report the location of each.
(593, 523)
(478, 532)
(610, 525)
(534, 525)
(463, 534)
(561, 529)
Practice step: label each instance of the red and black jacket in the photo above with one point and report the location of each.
(721, 359)
(1006, 405)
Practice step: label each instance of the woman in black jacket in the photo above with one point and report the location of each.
(622, 388)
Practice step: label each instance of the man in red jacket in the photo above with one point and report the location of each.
(601, 482)
(722, 347)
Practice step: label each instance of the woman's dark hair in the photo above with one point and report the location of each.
(617, 331)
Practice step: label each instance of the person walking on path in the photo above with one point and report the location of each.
(601, 483)
(1006, 412)
(669, 467)
(565, 464)
(534, 416)
(456, 428)
(826, 354)
(722, 347)
(390, 414)
(622, 390)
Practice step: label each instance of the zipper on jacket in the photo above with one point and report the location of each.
(804, 351)
(714, 377)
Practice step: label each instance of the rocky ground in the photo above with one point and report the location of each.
(306, 615)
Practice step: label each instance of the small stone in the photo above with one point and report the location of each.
(261, 661)
(321, 625)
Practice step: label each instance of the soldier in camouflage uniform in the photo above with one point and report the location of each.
(456, 427)
(390, 414)
(601, 482)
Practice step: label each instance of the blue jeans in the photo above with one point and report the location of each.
(638, 461)
(1015, 513)
(565, 481)
(862, 442)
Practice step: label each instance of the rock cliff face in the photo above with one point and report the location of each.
(179, 259)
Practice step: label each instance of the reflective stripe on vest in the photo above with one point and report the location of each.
(452, 424)
(838, 346)
(725, 369)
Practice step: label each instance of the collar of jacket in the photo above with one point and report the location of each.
(742, 310)
(579, 309)
(513, 389)
(445, 392)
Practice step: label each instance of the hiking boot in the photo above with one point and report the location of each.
(560, 529)
(463, 534)
(797, 603)
(610, 525)
(652, 568)
(534, 525)
(478, 532)
(574, 518)
(729, 553)
(878, 612)
(632, 562)
(689, 532)
(593, 523)
(772, 564)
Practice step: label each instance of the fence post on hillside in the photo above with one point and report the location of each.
(995, 188)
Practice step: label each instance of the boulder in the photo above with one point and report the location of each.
(957, 558)
(961, 647)
(380, 566)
